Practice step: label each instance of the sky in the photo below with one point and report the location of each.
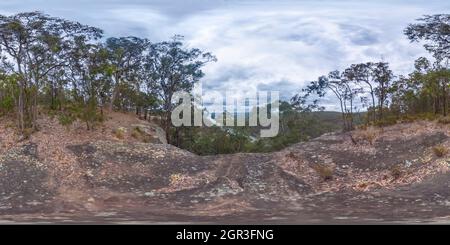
(261, 44)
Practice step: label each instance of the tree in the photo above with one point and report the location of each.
(434, 30)
(125, 59)
(35, 45)
(86, 74)
(382, 76)
(169, 68)
(342, 88)
(361, 74)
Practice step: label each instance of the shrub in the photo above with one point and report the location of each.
(141, 135)
(119, 132)
(396, 172)
(66, 119)
(387, 121)
(324, 171)
(6, 105)
(444, 120)
(175, 179)
(136, 133)
(369, 135)
(440, 150)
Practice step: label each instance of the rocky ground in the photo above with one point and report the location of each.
(395, 174)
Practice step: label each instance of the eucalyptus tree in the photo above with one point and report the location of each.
(125, 60)
(35, 44)
(86, 74)
(169, 68)
(361, 74)
(382, 76)
(342, 88)
(434, 31)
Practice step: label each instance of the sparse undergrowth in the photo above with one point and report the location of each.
(140, 135)
(369, 135)
(119, 132)
(440, 150)
(396, 172)
(324, 171)
(444, 120)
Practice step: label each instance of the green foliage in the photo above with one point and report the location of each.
(294, 127)
(6, 105)
(8, 90)
(66, 119)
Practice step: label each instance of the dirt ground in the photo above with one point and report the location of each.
(69, 175)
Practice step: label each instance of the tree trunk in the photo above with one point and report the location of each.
(21, 108)
(373, 107)
(444, 97)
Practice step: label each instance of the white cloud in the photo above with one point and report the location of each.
(270, 44)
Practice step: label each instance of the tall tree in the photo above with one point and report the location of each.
(125, 57)
(36, 44)
(344, 91)
(382, 76)
(169, 68)
(434, 30)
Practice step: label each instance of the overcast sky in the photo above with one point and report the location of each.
(265, 44)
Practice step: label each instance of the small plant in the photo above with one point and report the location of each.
(119, 132)
(369, 135)
(66, 119)
(175, 178)
(139, 134)
(324, 171)
(292, 155)
(135, 134)
(444, 120)
(440, 150)
(396, 172)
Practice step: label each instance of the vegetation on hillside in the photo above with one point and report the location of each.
(388, 98)
(71, 71)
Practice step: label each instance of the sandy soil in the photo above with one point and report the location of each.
(74, 176)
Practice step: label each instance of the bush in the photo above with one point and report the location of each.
(440, 150)
(324, 171)
(141, 135)
(175, 179)
(66, 119)
(369, 135)
(396, 172)
(6, 105)
(444, 120)
(119, 132)
(387, 121)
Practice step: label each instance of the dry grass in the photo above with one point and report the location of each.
(141, 135)
(369, 135)
(324, 171)
(175, 179)
(440, 150)
(396, 172)
(119, 132)
(444, 120)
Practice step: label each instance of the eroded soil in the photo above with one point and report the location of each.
(377, 176)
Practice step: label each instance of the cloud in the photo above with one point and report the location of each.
(271, 45)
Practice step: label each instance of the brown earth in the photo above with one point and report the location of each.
(369, 176)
